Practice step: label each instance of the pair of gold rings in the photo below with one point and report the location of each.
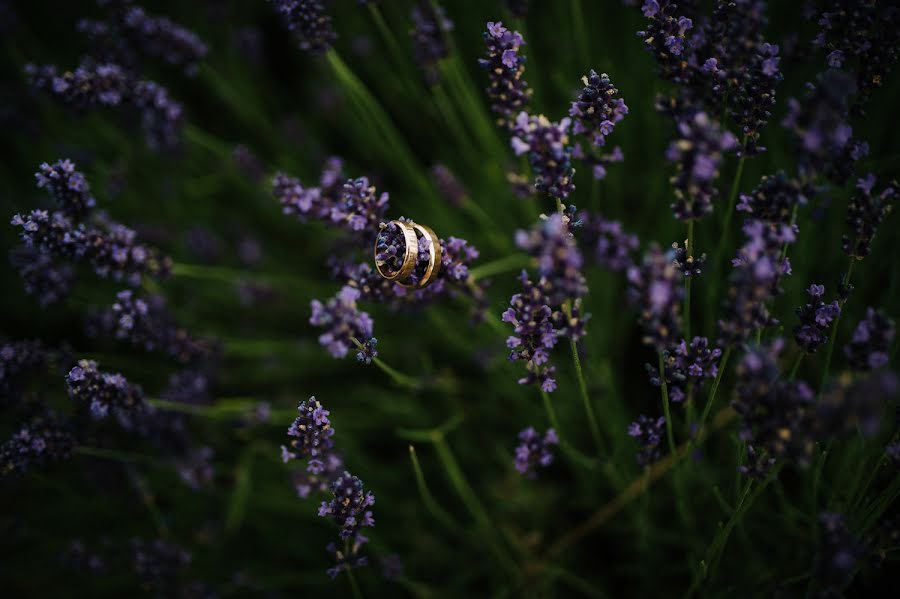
(407, 253)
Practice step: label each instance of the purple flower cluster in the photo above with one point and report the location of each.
(67, 186)
(815, 319)
(449, 186)
(755, 280)
(534, 334)
(130, 31)
(18, 359)
(195, 469)
(666, 37)
(558, 258)
(309, 23)
(775, 199)
(41, 439)
(108, 85)
(697, 154)
(508, 91)
(839, 556)
(342, 320)
(865, 213)
(349, 506)
(649, 434)
(871, 342)
(655, 288)
(103, 391)
(311, 433)
(430, 25)
(534, 451)
(688, 264)
(856, 406)
(754, 96)
(607, 241)
(305, 481)
(367, 352)
(549, 152)
(686, 365)
(42, 276)
(347, 560)
(597, 109)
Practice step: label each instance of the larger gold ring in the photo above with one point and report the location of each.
(434, 257)
(410, 252)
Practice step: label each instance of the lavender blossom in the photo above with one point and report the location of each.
(547, 146)
(367, 352)
(349, 505)
(689, 265)
(102, 391)
(67, 186)
(534, 451)
(359, 207)
(305, 481)
(108, 85)
(450, 188)
(815, 319)
(655, 288)
(649, 433)
(18, 359)
(508, 91)
(533, 334)
(159, 566)
(686, 365)
(311, 432)
(309, 23)
(856, 406)
(870, 345)
(865, 213)
(697, 154)
(755, 280)
(559, 259)
(43, 438)
(189, 386)
(775, 199)
(347, 560)
(430, 25)
(666, 37)
(597, 109)
(342, 320)
(839, 556)
(754, 97)
(43, 277)
(195, 469)
(612, 247)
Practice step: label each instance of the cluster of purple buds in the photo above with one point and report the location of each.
(430, 25)
(870, 344)
(778, 417)
(534, 451)
(41, 439)
(839, 556)
(597, 109)
(649, 434)
(775, 199)
(688, 264)
(160, 567)
(103, 391)
(815, 319)
(108, 85)
(305, 481)
(753, 99)
(559, 260)
(67, 186)
(195, 469)
(865, 213)
(686, 365)
(367, 352)
(131, 31)
(534, 334)
(311, 433)
(655, 287)
(758, 270)
(42, 276)
(856, 406)
(146, 323)
(342, 320)
(546, 143)
(18, 359)
(349, 506)
(349, 559)
(508, 91)
(607, 241)
(309, 23)
(758, 464)
(864, 33)
(697, 154)
(666, 37)
(449, 186)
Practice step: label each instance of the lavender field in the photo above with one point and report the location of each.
(440, 298)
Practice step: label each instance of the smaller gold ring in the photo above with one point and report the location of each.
(410, 253)
(435, 253)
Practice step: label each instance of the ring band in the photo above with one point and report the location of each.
(410, 252)
(434, 257)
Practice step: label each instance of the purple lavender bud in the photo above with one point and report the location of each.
(865, 212)
(559, 260)
(815, 319)
(19, 359)
(430, 25)
(195, 469)
(754, 97)
(655, 288)
(44, 438)
(649, 434)
(367, 352)
(666, 38)
(309, 23)
(870, 345)
(342, 321)
(103, 391)
(311, 432)
(613, 247)
(448, 185)
(189, 386)
(67, 186)
(44, 278)
(534, 451)
(359, 208)
(778, 417)
(330, 466)
(508, 91)
(686, 364)
(697, 153)
(754, 281)
(689, 265)
(549, 152)
(534, 334)
(758, 464)
(349, 505)
(597, 109)
(347, 560)
(839, 556)
(775, 198)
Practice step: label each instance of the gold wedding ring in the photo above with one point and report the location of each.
(407, 275)
(434, 257)
(410, 252)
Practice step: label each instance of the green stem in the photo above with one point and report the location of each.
(688, 250)
(834, 330)
(715, 387)
(427, 498)
(354, 586)
(586, 400)
(580, 34)
(796, 366)
(732, 199)
(567, 448)
(400, 379)
(149, 501)
(510, 263)
(665, 401)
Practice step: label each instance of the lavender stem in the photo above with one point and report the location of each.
(834, 328)
(688, 249)
(665, 401)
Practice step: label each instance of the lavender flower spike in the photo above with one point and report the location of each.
(597, 109)
(547, 145)
(655, 288)
(311, 432)
(508, 91)
(430, 24)
(649, 433)
(309, 23)
(67, 186)
(349, 505)
(815, 319)
(102, 391)
(534, 451)
(865, 213)
(872, 338)
(342, 320)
